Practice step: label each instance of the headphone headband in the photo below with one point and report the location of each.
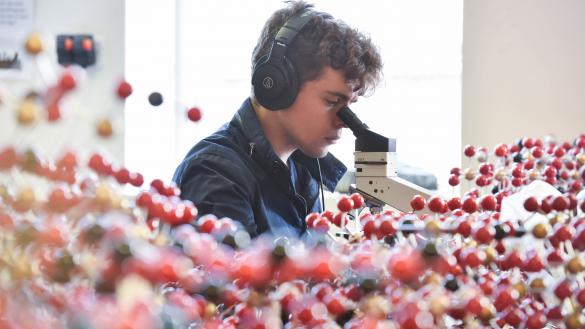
(292, 27)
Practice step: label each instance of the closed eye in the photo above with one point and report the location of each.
(332, 103)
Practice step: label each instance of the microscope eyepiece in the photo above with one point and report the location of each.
(365, 139)
(352, 121)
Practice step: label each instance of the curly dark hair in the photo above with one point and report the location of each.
(324, 41)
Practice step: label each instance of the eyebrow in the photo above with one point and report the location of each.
(340, 95)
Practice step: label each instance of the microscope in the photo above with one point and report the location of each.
(376, 178)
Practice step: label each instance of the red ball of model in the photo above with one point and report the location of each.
(358, 200)
(124, 90)
(370, 228)
(488, 203)
(482, 181)
(536, 320)
(418, 203)
(560, 151)
(560, 203)
(321, 224)
(454, 180)
(339, 219)
(136, 179)
(484, 234)
(8, 158)
(528, 142)
(436, 204)
(406, 267)
(486, 169)
(563, 290)
(345, 204)
(546, 204)
(580, 297)
(469, 151)
(311, 218)
(531, 204)
(518, 172)
(67, 82)
(533, 264)
(207, 224)
(505, 298)
(537, 152)
(122, 176)
(454, 203)
(501, 150)
(469, 205)
(194, 114)
(387, 227)
(59, 200)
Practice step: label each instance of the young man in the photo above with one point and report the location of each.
(266, 167)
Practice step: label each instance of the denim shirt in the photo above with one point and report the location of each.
(235, 173)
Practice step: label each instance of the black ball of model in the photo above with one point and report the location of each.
(155, 99)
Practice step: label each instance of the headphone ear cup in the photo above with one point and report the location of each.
(275, 86)
(268, 82)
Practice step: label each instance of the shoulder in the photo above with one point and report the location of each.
(206, 153)
(213, 156)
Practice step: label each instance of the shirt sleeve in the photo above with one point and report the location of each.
(219, 186)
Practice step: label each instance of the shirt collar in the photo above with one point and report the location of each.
(260, 149)
(331, 168)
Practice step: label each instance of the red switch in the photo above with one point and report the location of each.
(68, 44)
(87, 44)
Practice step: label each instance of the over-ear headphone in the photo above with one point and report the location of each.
(275, 80)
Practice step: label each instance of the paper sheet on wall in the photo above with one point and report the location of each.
(513, 206)
(16, 23)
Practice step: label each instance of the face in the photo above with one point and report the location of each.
(311, 123)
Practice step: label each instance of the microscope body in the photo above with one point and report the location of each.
(377, 180)
(376, 176)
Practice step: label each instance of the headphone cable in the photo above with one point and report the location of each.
(321, 186)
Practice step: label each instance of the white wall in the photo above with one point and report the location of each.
(418, 103)
(523, 70)
(151, 66)
(93, 100)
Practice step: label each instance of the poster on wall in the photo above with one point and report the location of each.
(16, 23)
